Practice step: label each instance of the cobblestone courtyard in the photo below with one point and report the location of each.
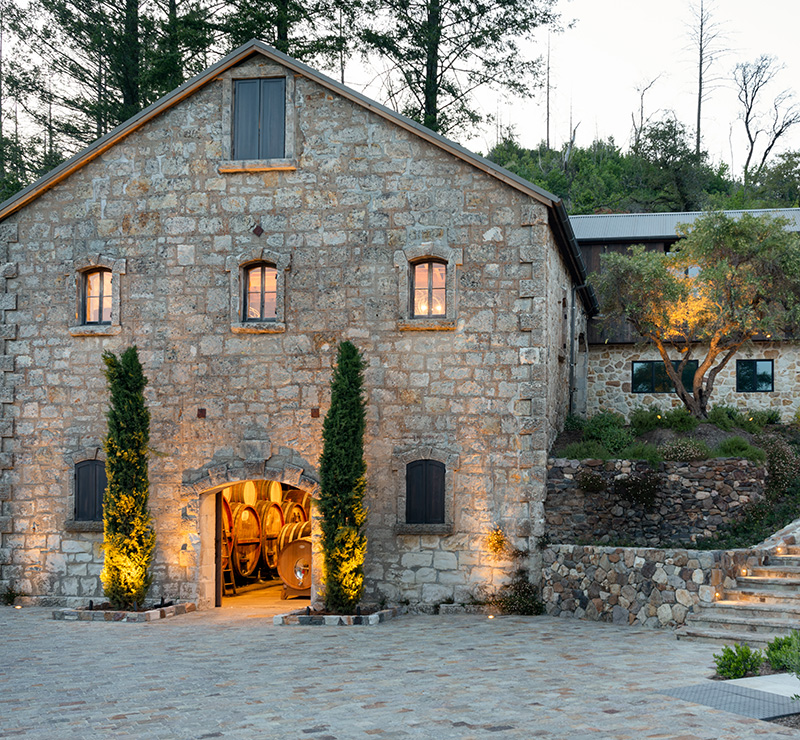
(232, 674)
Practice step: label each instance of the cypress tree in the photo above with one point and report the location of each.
(343, 483)
(129, 539)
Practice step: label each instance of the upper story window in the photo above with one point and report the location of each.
(90, 484)
(754, 376)
(259, 118)
(650, 376)
(425, 484)
(97, 297)
(261, 293)
(429, 289)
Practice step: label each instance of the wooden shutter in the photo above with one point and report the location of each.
(90, 484)
(273, 116)
(434, 488)
(245, 119)
(425, 492)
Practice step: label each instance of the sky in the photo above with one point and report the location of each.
(617, 46)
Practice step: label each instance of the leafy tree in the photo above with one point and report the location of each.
(343, 483)
(728, 281)
(129, 539)
(438, 52)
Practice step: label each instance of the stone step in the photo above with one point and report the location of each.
(761, 595)
(793, 560)
(727, 637)
(750, 610)
(729, 620)
(770, 585)
(775, 570)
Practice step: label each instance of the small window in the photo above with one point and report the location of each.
(261, 293)
(90, 485)
(650, 376)
(754, 376)
(425, 492)
(97, 297)
(259, 114)
(429, 289)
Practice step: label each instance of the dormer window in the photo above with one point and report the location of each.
(429, 289)
(261, 293)
(97, 297)
(259, 118)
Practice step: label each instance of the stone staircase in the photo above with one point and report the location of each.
(764, 604)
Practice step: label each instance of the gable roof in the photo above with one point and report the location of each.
(565, 238)
(655, 226)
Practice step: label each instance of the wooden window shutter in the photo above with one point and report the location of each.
(90, 484)
(425, 492)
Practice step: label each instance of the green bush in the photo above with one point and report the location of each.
(642, 451)
(738, 662)
(680, 420)
(574, 423)
(783, 653)
(723, 417)
(590, 481)
(616, 440)
(645, 420)
(639, 488)
(584, 451)
(597, 425)
(727, 418)
(519, 596)
(738, 447)
(782, 462)
(684, 450)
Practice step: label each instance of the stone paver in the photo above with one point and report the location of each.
(233, 674)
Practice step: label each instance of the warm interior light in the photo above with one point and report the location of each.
(744, 571)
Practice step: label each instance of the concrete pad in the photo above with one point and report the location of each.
(784, 684)
(737, 699)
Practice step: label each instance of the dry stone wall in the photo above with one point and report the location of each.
(227, 405)
(694, 500)
(650, 587)
(609, 380)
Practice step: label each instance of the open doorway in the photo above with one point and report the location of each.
(263, 543)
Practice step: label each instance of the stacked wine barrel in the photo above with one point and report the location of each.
(260, 520)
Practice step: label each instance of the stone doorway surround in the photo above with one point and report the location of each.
(285, 467)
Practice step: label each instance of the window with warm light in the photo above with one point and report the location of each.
(425, 487)
(260, 293)
(97, 297)
(429, 289)
(90, 485)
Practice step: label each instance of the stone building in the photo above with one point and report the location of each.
(236, 231)
(623, 373)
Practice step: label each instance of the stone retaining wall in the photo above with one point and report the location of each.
(623, 585)
(695, 500)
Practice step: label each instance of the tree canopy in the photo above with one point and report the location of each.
(729, 280)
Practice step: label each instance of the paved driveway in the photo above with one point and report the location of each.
(232, 674)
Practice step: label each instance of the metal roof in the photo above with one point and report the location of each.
(629, 226)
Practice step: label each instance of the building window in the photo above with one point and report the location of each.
(259, 118)
(429, 289)
(90, 484)
(425, 492)
(97, 297)
(754, 376)
(650, 376)
(261, 293)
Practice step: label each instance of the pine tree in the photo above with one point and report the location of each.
(129, 539)
(343, 483)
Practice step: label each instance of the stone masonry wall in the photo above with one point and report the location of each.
(609, 380)
(654, 588)
(157, 208)
(694, 500)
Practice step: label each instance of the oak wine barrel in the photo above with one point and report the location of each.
(293, 513)
(292, 531)
(301, 498)
(294, 564)
(227, 528)
(246, 538)
(271, 517)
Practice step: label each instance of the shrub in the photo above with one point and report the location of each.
(616, 440)
(783, 653)
(585, 450)
(590, 481)
(781, 462)
(601, 422)
(685, 450)
(645, 420)
(639, 488)
(738, 447)
(496, 541)
(680, 420)
(519, 596)
(738, 662)
(723, 417)
(642, 451)
(574, 423)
